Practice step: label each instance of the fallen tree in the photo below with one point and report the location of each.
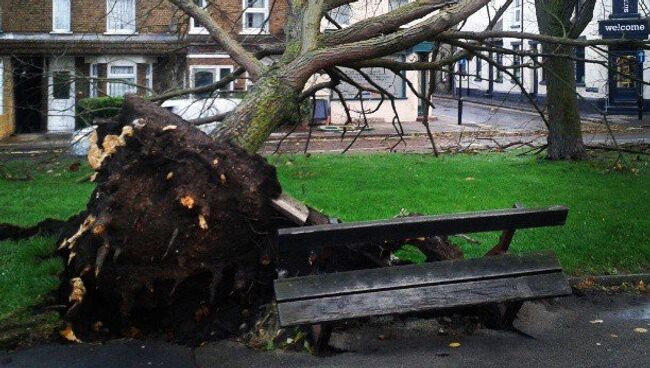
(178, 236)
(173, 214)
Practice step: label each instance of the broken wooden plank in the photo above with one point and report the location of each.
(415, 299)
(290, 207)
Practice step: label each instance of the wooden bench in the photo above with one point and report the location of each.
(505, 279)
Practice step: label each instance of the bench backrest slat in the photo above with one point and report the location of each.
(411, 227)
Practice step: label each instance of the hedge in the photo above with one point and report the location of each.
(90, 109)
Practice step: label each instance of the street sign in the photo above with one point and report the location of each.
(625, 8)
(640, 56)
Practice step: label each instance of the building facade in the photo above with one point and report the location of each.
(608, 78)
(600, 74)
(54, 53)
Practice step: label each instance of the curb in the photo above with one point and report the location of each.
(612, 280)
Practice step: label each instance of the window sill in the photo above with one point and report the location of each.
(60, 32)
(114, 33)
(515, 27)
(202, 31)
(254, 32)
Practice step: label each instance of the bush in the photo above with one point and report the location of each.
(90, 109)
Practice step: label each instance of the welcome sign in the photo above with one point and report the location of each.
(631, 29)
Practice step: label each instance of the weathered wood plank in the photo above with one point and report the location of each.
(414, 275)
(422, 298)
(410, 227)
(293, 209)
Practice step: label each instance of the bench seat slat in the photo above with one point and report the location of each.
(411, 227)
(414, 299)
(414, 275)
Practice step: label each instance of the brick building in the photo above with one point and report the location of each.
(56, 52)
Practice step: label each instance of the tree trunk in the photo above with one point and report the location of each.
(565, 134)
(272, 102)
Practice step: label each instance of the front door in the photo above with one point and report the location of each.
(625, 72)
(61, 95)
(28, 94)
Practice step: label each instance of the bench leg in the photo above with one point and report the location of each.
(319, 338)
(502, 316)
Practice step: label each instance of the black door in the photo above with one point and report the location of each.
(28, 94)
(624, 75)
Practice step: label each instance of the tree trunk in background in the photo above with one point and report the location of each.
(565, 134)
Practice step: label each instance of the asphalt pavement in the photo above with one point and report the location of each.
(593, 330)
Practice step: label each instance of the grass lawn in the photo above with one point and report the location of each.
(608, 230)
(28, 271)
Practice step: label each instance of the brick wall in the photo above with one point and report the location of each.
(153, 16)
(7, 119)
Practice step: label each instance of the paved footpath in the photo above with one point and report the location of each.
(564, 336)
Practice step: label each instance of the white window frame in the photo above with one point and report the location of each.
(94, 74)
(195, 29)
(264, 12)
(2, 86)
(149, 78)
(516, 13)
(109, 75)
(121, 31)
(215, 69)
(55, 8)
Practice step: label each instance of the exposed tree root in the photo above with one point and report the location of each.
(172, 235)
(46, 227)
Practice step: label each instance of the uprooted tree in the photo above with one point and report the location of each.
(180, 223)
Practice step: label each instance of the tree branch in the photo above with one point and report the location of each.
(242, 57)
(385, 23)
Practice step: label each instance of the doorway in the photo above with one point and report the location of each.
(623, 86)
(28, 95)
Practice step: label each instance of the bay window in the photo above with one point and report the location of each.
(61, 16)
(255, 16)
(122, 79)
(120, 16)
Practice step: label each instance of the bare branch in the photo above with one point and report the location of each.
(244, 58)
(385, 23)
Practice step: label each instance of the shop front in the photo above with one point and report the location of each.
(625, 65)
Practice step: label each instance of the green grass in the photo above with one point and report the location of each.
(608, 230)
(28, 269)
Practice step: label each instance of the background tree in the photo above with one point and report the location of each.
(566, 19)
